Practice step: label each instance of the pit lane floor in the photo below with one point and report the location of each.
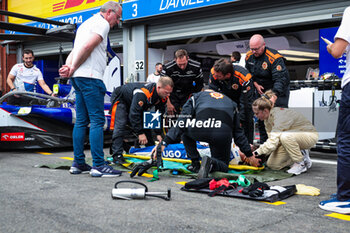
(46, 200)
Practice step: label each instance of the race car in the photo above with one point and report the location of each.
(46, 122)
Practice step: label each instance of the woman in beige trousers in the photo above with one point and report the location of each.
(290, 135)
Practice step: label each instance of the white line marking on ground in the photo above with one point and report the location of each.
(324, 161)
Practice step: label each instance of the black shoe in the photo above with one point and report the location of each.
(194, 167)
(118, 159)
(205, 167)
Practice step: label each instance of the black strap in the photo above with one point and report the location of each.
(131, 181)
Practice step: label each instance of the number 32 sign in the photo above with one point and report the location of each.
(139, 65)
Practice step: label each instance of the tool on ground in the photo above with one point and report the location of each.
(159, 157)
(137, 193)
(142, 167)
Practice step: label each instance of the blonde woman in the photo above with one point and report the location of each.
(289, 132)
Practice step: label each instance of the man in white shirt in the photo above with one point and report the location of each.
(154, 77)
(340, 201)
(23, 76)
(85, 65)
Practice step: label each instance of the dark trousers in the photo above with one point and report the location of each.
(343, 143)
(248, 125)
(219, 144)
(122, 129)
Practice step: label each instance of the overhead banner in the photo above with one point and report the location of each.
(144, 8)
(67, 11)
(327, 63)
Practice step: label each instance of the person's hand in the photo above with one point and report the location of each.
(252, 147)
(259, 88)
(15, 89)
(143, 139)
(273, 99)
(253, 161)
(242, 155)
(71, 70)
(64, 71)
(142, 167)
(170, 108)
(154, 151)
(329, 48)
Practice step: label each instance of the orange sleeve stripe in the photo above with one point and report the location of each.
(147, 93)
(272, 55)
(114, 109)
(242, 78)
(249, 53)
(212, 73)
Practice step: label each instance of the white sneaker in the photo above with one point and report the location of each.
(307, 160)
(297, 168)
(334, 205)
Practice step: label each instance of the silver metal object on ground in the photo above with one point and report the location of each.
(137, 193)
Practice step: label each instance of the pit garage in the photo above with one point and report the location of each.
(216, 30)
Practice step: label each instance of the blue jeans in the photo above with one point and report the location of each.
(343, 142)
(89, 109)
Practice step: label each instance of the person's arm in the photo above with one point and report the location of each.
(85, 51)
(280, 76)
(161, 108)
(64, 70)
(239, 137)
(249, 66)
(74, 62)
(10, 81)
(137, 107)
(283, 121)
(337, 48)
(199, 81)
(247, 90)
(342, 37)
(70, 58)
(45, 87)
(170, 107)
(187, 110)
